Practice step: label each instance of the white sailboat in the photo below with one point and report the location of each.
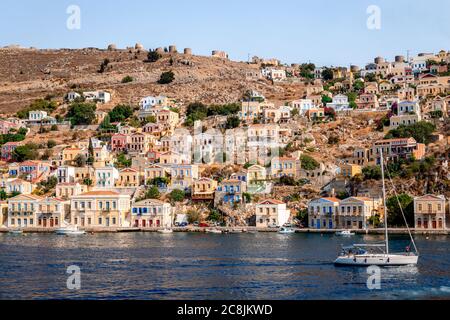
(378, 254)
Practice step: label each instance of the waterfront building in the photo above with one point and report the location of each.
(271, 213)
(151, 213)
(100, 209)
(22, 211)
(355, 212)
(323, 213)
(429, 212)
(52, 212)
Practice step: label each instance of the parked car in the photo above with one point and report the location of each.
(183, 224)
(203, 225)
(195, 224)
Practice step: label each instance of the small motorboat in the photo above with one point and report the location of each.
(165, 231)
(217, 231)
(285, 230)
(345, 233)
(70, 231)
(16, 232)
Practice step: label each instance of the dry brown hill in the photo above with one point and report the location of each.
(27, 74)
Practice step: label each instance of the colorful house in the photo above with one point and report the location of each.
(151, 213)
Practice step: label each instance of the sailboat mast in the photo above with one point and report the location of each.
(384, 202)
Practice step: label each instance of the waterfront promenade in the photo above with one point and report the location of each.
(238, 229)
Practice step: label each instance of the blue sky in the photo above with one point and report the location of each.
(326, 32)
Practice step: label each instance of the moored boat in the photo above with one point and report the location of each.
(285, 230)
(345, 233)
(217, 231)
(16, 231)
(165, 231)
(70, 231)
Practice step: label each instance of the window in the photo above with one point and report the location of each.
(99, 221)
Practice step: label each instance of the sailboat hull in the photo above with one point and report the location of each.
(377, 260)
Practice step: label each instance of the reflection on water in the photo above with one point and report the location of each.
(209, 266)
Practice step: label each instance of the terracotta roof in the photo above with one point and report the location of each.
(271, 201)
(101, 193)
(332, 199)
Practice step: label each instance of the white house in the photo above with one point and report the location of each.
(340, 103)
(148, 102)
(151, 213)
(106, 177)
(100, 96)
(65, 174)
(37, 115)
(303, 105)
(271, 213)
(71, 96)
(408, 113)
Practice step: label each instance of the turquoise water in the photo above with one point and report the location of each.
(209, 266)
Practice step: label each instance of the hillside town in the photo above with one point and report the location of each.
(311, 159)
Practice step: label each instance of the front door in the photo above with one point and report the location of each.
(143, 223)
(51, 222)
(318, 223)
(330, 224)
(107, 222)
(434, 224)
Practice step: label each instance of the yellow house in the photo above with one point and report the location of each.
(21, 211)
(285, 166)
(167, 118)
(203, 189)
(154, 171)
(128, 177)
(256, 173)
(3, 213)
(51, 212)
(350, 170)
(100, 209)
(67, 190)
(69, 154)
(429, 212)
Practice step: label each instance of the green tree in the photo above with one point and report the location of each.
(395, 218)
(82, 113)
(177, 195)
(308, 162)
(232, 122)
(215, 215)
(80, 160)
(26, 152)
(372, 173)
(326, 99)
(153, 56)
(40, 104)
(3, 195)
(152, 193)
(51, 144)
(193, 216)
(123, 161)
(302, 217)
(421, 131)
(127, 79)
(327, 74)
(120, 113)
(166, 77)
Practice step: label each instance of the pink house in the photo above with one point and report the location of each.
(119, 142)
(6, 126)
(7, 150)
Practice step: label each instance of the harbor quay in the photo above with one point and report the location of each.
(377, 231)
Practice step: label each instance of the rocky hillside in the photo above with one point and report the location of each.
(29, 74)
